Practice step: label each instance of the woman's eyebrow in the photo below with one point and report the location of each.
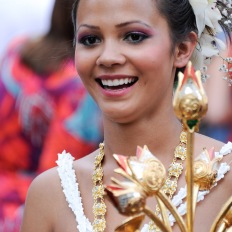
(89, 26)
(132, 22)
(118, 25)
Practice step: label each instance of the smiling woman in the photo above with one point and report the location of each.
(127, 54)
(133, 48)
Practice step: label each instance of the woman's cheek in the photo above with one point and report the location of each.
(81, 64)
(147, 57)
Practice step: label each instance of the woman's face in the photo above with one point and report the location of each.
(123, 55)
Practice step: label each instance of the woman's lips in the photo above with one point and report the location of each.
(116, 82)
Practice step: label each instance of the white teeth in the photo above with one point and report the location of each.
(110, 83)
(117, 82)
(104, 82)
(121, 82)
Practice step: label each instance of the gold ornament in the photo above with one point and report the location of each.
(174, 172)
(190, 102)
(205, 170)
(129, 196)
(223, 221)
(99, 206)
(153, 174)
(131, 224)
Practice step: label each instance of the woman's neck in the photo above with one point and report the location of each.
(160, 135)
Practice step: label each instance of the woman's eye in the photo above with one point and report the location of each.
(89, 40)
(135, 37)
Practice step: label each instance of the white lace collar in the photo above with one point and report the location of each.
(73, 196)
(71, 190)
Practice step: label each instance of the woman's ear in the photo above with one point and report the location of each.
(184, 50)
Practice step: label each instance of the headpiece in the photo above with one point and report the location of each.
(212, 17)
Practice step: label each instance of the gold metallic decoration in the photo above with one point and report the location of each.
(131, 224)
(129, 196)
(153, 175)
(190, 102)
(205, 169)
(138, 168)
(142, 179)
(190, 105)
(176, 168)
(223, 222)
(99, 207)
(174, 172)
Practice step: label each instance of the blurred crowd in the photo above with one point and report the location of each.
(44, 107)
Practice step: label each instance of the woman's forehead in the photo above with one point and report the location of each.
(123, 9)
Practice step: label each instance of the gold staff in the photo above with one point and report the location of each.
(145, 174)
(190, 105)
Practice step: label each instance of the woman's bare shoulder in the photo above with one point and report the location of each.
(42, 201)
(45, 197)
(203, 141)
(48, 183)
(85, 164)
(225, 149)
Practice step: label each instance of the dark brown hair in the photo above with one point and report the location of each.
(44, 55)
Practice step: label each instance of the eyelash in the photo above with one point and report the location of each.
(142, 36)
(86, 40)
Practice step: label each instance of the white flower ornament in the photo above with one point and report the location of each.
(206, 14)
(209, 15)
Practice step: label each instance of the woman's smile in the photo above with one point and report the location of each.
(116, 82)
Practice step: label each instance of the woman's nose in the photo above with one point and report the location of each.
(110, 55)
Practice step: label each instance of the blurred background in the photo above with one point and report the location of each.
(24, 17)
(44, 107)
(218, 121)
